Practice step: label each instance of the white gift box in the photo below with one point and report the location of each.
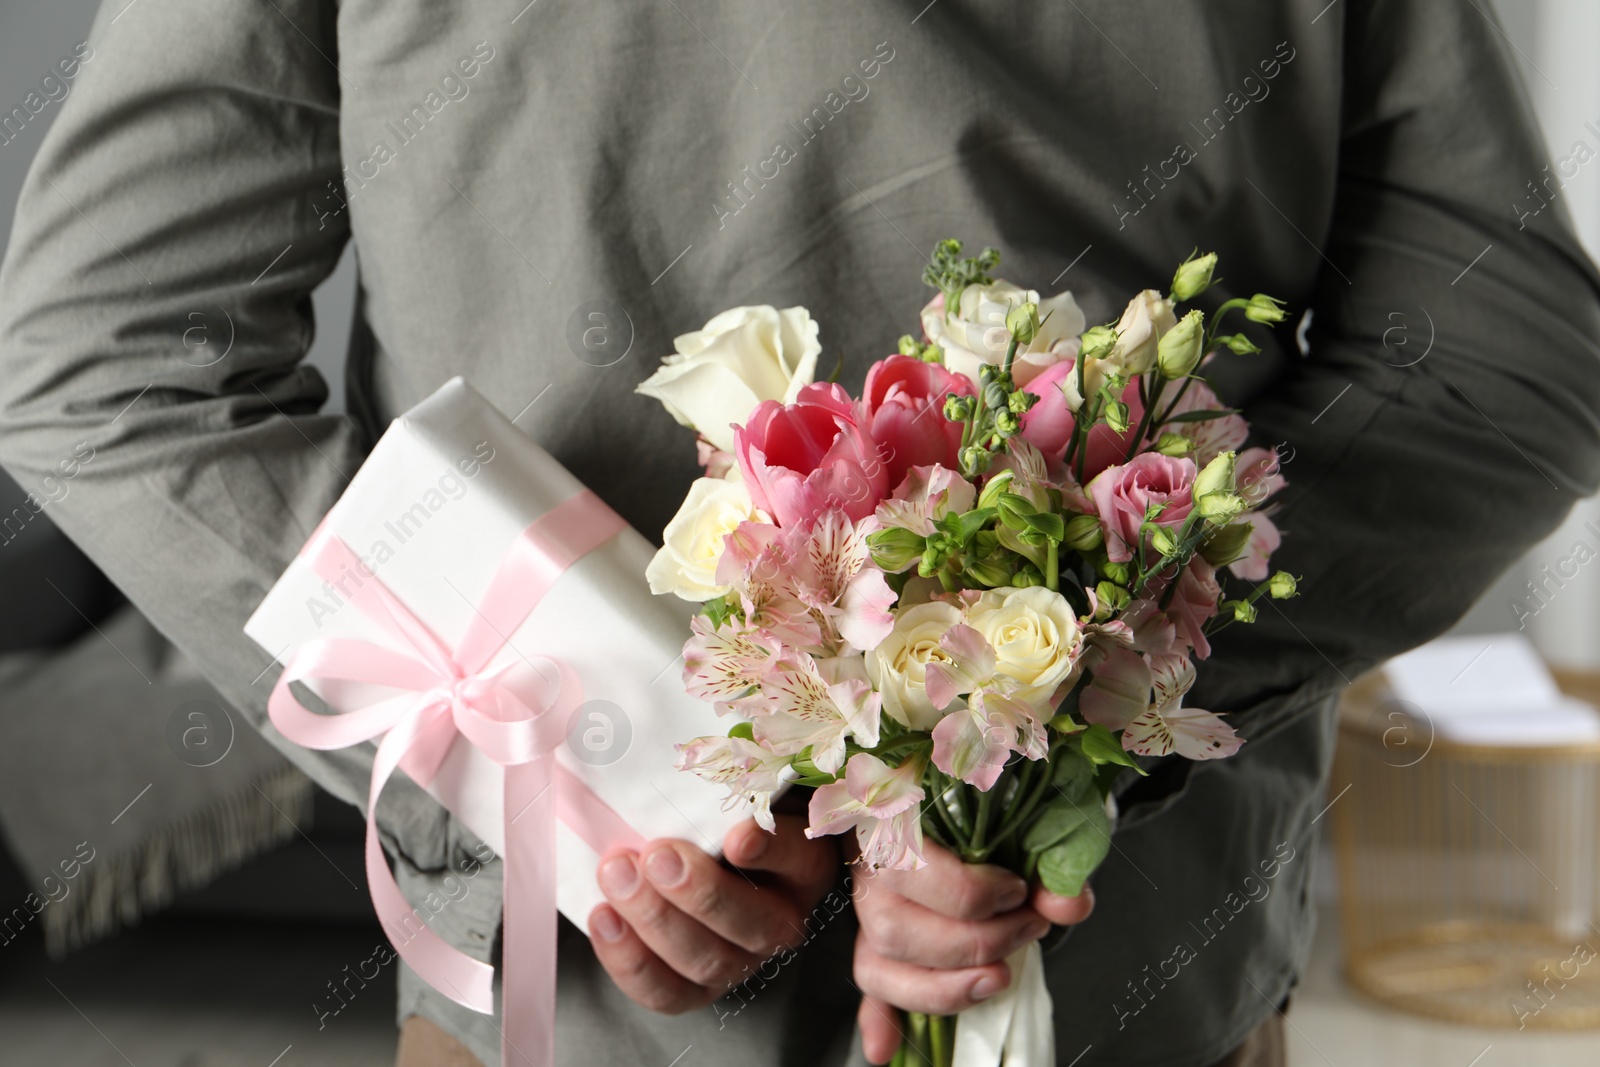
(432, 511)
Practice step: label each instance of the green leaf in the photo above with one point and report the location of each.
(1048, 524)
(1068, 863)
(973, 522)
(1057, 822)
(744, 730)
(1070, 769)
(1101, 746)
(1202, 416)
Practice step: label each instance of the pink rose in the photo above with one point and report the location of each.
(801, 459)
(904, 403)
(1123, 495)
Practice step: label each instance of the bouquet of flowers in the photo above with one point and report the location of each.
(960, 604)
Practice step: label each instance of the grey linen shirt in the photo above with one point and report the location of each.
(501, 169)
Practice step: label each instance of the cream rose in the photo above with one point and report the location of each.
(898, 666)
(975, 332)
(1035, 635)
(1147, 317)
(686, 564)
(746, 355)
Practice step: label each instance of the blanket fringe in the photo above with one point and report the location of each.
(117, 890)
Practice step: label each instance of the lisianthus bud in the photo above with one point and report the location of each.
(1117, 416)
(1097, 342)
(1239, 344)
(1023, 322)
(1000, 483)
(1083, 533)
(1282, 585)
(1225, 544)
(1193, 277)
(1265, 309)
(1111, 595)
(1243, 610)
(1162, 541)
(896, 548)
(1213, 491)
(1117, 572)
(1178, 351)
(1174, 444)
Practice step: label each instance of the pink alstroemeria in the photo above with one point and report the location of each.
(818, 703)
(801, 459)
(973, 743)
(1257, 478)
(727, 666)
(971, 663)
(924, 496)
(834, 574)
(1168, 727)
(1119, 692)
(751, 772)
(1211, 437)
(884, 806)
(1181, 626)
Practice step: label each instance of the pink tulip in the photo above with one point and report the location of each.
(802, 459)
(904, 402)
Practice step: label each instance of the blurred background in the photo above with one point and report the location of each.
(225, 921)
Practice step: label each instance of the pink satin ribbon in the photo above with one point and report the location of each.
(515, 714)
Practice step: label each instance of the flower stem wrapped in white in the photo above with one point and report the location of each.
(743, 356)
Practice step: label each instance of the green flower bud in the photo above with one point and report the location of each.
(995, 395)
(1023, 323)
(1193, 277)
(1006, 424)
(909, 345)
(1083, 533)
(1116, 572)
(958, 408)
(1243, 610)
(1111, 596)
(1213, 491)
(1225, 544)
(1027, 575)
(1097, 342)
(932, 560)
(990, 496)
(1174, 444)
(895, 549)
(1282, 585)
(992, 572)
(1239, 344)
(1179, 350)
(1021, 401)
(1116, 415)
(976, 459)
(1162, 541)
(1265, 309)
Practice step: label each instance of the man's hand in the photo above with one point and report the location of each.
(681, 929)
(935, 940)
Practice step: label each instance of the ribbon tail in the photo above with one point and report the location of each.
(528, 959)
(466, 981)
(1015, 1028)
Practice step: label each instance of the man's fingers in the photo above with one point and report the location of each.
(881, 1030)
(682, 943)
(809, 866)
(759, 921)
(639, 972)
(950, 887)
(935, 992)
(1063, 911)
(906, 931)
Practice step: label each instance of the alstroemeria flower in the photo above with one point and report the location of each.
(925, 495)
(1167, 726)
(882, 804)
(974, 742)
(818, 703)
(751, 773)
(727, 666)
(1181, 625)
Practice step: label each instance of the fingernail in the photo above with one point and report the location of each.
(607, 924)
(664, 867)
(986, 987)
(1012, 896)
(619, 877)
(754, 846)
(1035, 930)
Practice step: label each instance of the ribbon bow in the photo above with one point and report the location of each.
(515, 714)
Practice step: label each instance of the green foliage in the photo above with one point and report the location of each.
(950, 273)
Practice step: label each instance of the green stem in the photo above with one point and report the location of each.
(1156, 381)
(980, 821)
(941, 1039)
(1052, 566)
(1011, 354)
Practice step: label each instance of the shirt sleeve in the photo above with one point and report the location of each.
(155, 308)
(1447, 413)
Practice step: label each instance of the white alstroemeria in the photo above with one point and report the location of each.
(751, 772)
(818, 704)
(882, 804)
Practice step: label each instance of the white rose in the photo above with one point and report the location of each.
(686, 564)
(975, 332)
(1035, 634)
(743, 356)
(898, 666)
(1146, 318)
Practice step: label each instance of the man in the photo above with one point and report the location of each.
(508, 175)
